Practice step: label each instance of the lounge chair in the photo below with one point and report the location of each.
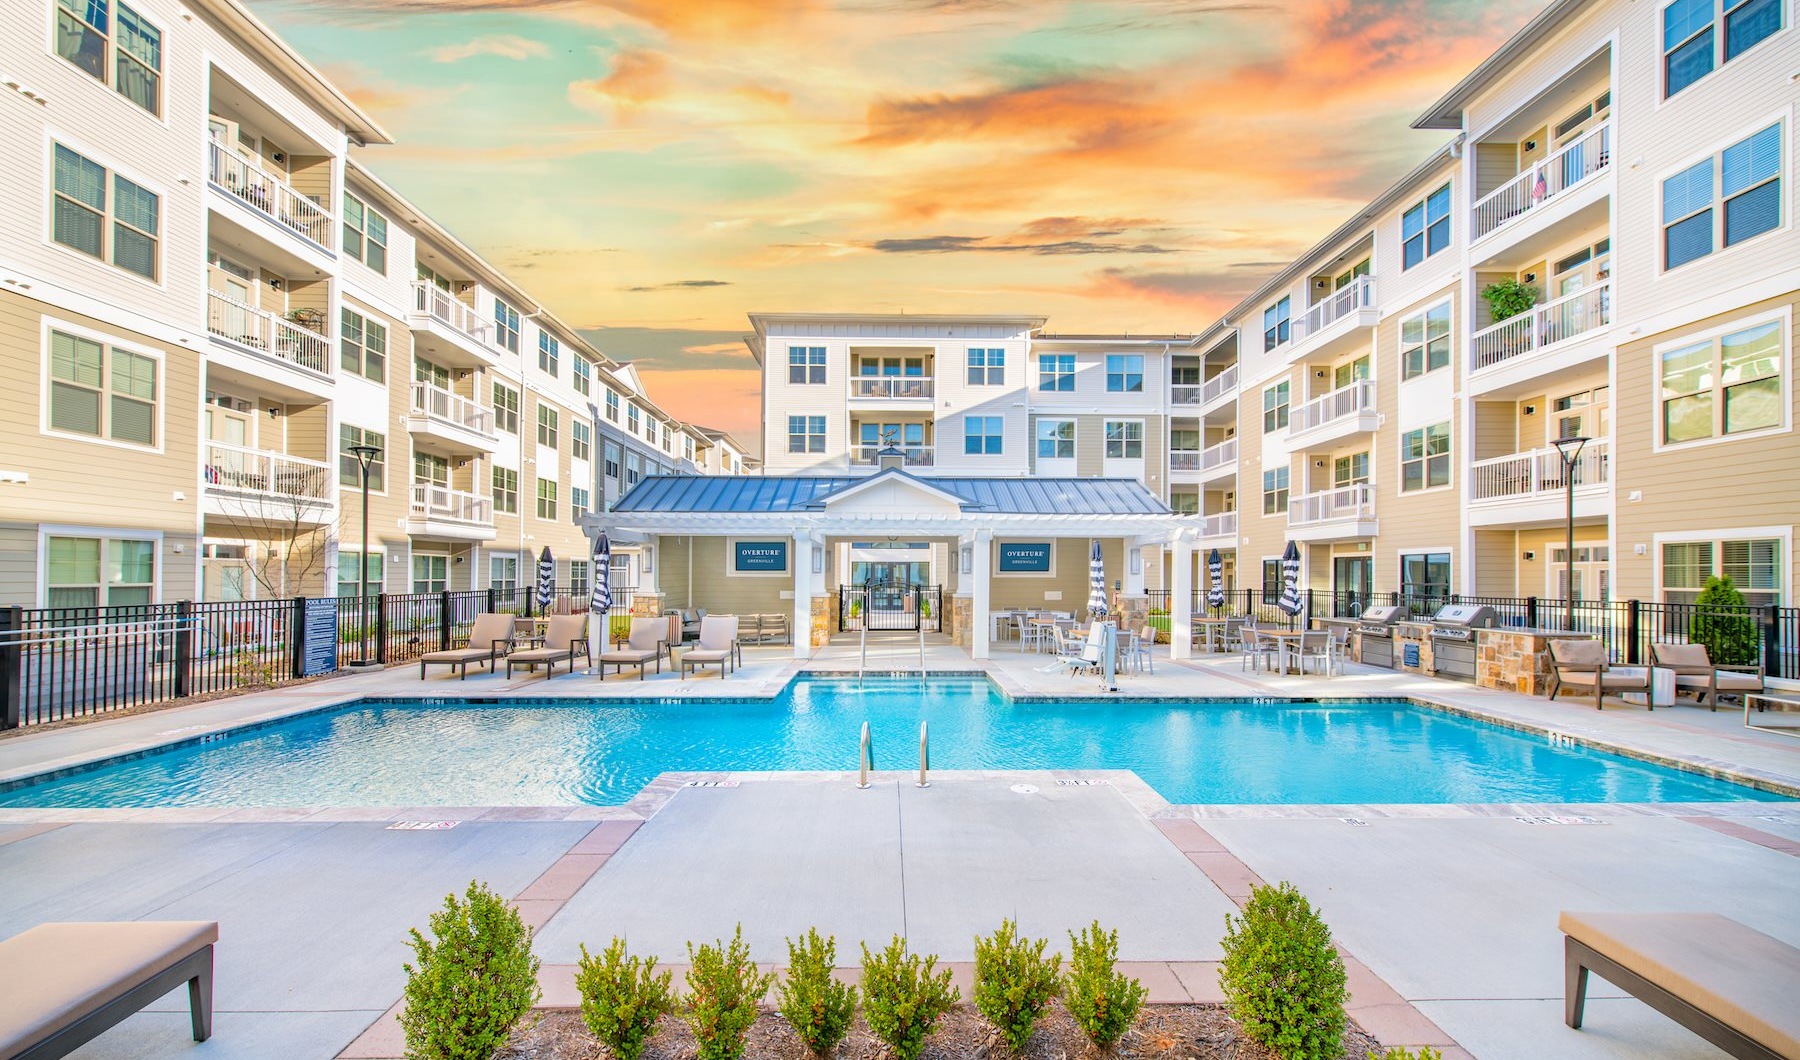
(1728, 983)
(1582, 665)
(647, 642)
(68, 983)
(1696, 672)
(490, 638)
(718, 644)
(564, 638)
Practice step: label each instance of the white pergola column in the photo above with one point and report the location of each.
(979, 595)
(803, 594)
(1181, 597)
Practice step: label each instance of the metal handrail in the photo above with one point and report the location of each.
(866, 758)
(924, 756)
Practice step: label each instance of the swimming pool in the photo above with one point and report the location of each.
(602, 752)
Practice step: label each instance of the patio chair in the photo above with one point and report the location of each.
(1340, 648)
(1032, 633)
(1315, 647)
(564, 639)
(647, 642)
(1582, 665)
(1234, 633)
(1256, 650)
(1696, 672)
(490, 638)
(1078, 654)
(718, 643)
(1140, 650)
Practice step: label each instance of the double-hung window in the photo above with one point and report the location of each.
(806, 365)
(578, 501)
(1277, 325)
(1424, 576)
(983, 435)
(547, 423)
(578, 578)
(506, 408)
(99, 571)
(1275, 491)
(1425, 341)
(549, 353)
(1693, 45)
(1723, 386)
(612, 460)
(85, 34)
(350, 469)
(362, 345)
(506, 490)
(1275, 407)
(1125, 373)
(365, 234)
(351, 568)
(1056, 371)
(633, 469)
(1350, 470)
(506, 326)
(1056, 439)
(1752, 564)
(1747, 204)
(632, 418)
(102, 391)
(546, 499)
(430, 572)
(583, 370)
(806, 434)
(1425, 229)
(987, 367)
(580, 439)
(123, 228)
(1425, 458)
(612, 405)
(503, 573)
(1125, 439)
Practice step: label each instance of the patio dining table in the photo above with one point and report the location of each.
(1212, 627)
(1287, 647)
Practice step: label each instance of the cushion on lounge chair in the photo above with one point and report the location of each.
(484, 632)
(1609, 679)
(59, 974)
(1685, 659)
(1576, 653)
(564, 638)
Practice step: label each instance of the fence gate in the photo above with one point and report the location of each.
(909, 608)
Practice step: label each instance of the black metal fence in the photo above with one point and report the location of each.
(891, 607)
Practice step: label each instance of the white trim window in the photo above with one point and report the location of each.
(365, 234)
(1277, 324)
(582, 370)
(806, 365)
(1752, 563)
(349, 571)
(1748, 202)
(1724, 385)
(506, 408)
(430, 572)
(127, 233)
(1351, 469)
(85, 35)
(578, 502)
(362, 345)
(546, 499)
(549, 353)
(100, 391)
(806, 434)
(1125, 439)
(1125, 373)
(1693, 46)
(612, 455)
(579, 585)
(548, 426)
(1425, 228)
(1275, 407)
(1056, 372)
(506, 326)
(1275, 491)
(612, 405)
(506, 490)
(1425, 458)
(987, 367)
(1056, 439)
(984, 435)
(1425, 341)
(633, 420)
(350, 468)
(503, 572)
(99, 571)
(581, 439)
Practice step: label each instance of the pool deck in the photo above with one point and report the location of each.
(1446, 913)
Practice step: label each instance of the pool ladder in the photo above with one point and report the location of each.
(866, 756)
(862, 660)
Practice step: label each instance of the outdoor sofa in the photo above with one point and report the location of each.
(1582, 665)
(1728, 983)
(68, 983)
(647, 642)
(718, 643)
(1696, 672)
(565, 637)
(490, 638)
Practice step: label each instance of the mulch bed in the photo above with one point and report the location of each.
(1162, 1032)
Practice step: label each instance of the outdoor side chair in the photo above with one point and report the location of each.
(564, 639)
(1256, 652)
(490, 638)
(1696, 672)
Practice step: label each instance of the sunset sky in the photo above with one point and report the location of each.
(654, 170)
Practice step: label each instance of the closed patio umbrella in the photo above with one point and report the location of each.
(600, 603)
(1096, 583)
(1215, 572)
(546, 580)
(1290, 580)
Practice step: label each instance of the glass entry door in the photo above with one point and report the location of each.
(1352, 582)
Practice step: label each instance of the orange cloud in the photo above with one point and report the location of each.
(637, 77)
(726, 399)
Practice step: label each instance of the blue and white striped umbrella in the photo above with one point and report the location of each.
(1096, 583)
(1215, 572)
(1290, 581)
(601, 601)
(546, 580)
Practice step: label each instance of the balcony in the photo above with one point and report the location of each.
(1343, 413)
(269, 197)
(446, 329)
(914, 455)
(902, 390)
(1200, 465)
(1346, 512)
(1545, 185)
(1543, 330)
(1217, 529)
(1203, 396)
(252, 485)
(439, 511)
(268, 336)
(456, 423)
(1529, 487)
(1335, 320)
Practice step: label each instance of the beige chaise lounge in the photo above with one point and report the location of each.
(1696, 672)
(646, 643)
(490, 638)
(718, 644)
(1730, 984)
(1581, 665)
(67, 983)
(565, 637)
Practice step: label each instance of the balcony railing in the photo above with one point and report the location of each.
(1203, 459)
(1546, 325)
(269, 195)
(1204, 393)
(262, 330)
(1343, 402)
(457, 506)
(915, 455)
(1357, 294)
(1537, 474)
(439, 404)
(445, 308)
(234, 469)
(890, 386)
(1222, 524)
(1346, 502)
(1544, 181)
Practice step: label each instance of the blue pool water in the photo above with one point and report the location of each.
(602, 752)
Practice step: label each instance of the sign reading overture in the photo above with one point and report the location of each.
(1024, 557)
(759, 557)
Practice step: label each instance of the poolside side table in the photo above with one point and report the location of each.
(1768, 708)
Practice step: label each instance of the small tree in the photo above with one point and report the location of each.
(903, 997)
(1014, 982)
(724, 992)
(1283, 980)
(815, 1004)
(622, 998)
(1722, 621)
(1102, 1001)
(476, 976)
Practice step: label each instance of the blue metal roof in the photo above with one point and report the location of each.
(787, 493)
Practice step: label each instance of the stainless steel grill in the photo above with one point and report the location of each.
(1375, 634)
(1453, 638)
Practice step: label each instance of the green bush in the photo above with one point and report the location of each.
(724, 992)
(1014, 982)
(815, 1004)
(474, 978)
(1398, 1053)
(1722, 621)
(903, 997)
(1102, 1001)
(622, 998)
(1283, 980)
(1508, 298)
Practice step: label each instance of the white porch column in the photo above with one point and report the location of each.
(978, 604)
(1181, 597)
(803, 593)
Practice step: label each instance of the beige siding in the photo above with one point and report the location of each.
(1068, 576)
(708, 584)
(1424, 520)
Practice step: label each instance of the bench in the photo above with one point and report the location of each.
(67, 983)
(1730, 984)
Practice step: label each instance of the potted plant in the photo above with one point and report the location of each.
(1508, 298)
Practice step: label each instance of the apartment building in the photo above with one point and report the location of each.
(204, 303)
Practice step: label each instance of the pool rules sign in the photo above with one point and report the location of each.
(316, 650)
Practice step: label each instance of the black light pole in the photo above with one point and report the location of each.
(1570, 451)
(365, 455)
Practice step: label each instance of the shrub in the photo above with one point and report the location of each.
(1398, 1053)
(622, 998)
(475, 977)
(1508, 298)
(815, 1004)
(1283, 980)
(1102, 1001)
(724, 992)
(1722, 621)
(1014, 982)
(903, 997)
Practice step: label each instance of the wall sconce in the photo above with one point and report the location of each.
(1137, 561)
(818, 561)
(968, 560)
(1531, 410)
(274, 283)
(1319, 373)
(1530, 555)
(1319, 463)
(649, 560)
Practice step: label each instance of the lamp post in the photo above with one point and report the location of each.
(365, 455)
(1570, 451)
